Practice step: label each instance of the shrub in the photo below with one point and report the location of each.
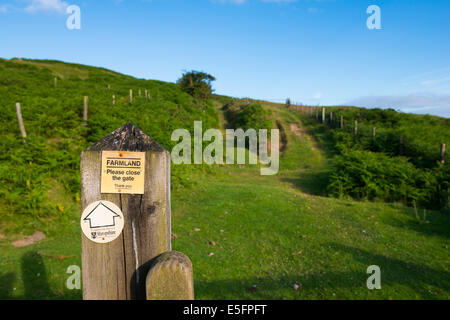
(368, 175)
(247, 116)
(197, 84)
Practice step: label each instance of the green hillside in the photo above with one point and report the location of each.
(386, 155)
(44, 172)
(249, 236)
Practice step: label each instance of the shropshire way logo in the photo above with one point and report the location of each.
(102, 221)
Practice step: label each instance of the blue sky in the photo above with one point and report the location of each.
(318, 52)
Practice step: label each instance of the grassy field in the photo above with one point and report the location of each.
(255, 237)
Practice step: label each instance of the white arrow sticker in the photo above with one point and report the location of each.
(102, 221)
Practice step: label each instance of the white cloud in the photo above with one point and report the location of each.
(47, 6)
(6, 7)
(32, 6)
(436, 79)
(434, 82)
(416, 103)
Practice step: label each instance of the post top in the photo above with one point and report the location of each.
(127, 138)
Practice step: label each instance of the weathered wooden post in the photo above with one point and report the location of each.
(126, 177)
(20, 120)
(85, 111)
(374, 133)
(356, 128)
(131, 95)
(443, 153)
(113, 99)
(323, 115)
(170, 278)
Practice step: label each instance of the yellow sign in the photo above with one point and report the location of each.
(123, 172)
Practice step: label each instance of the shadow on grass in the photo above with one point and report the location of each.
(394, 271)
(6, 285)
(311, 182)
(320, 135)
(435, 224)
(418, 278)
(35, 282)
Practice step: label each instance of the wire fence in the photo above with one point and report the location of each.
(376, 139)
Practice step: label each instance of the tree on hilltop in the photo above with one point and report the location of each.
(197, 84)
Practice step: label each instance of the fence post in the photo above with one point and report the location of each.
(356, 128)
(120, 269)
(131, 95)
(331, 118)
(374, 133)
(85, 111)
(20, 120)
(113, 99)
(443, 153)
(170, 277)
(323, 115)
(342, 121)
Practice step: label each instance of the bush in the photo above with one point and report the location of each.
(197, 84)
(368, 175)
(247, 116)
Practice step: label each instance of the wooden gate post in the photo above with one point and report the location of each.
(118, 269)
(170, 278)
